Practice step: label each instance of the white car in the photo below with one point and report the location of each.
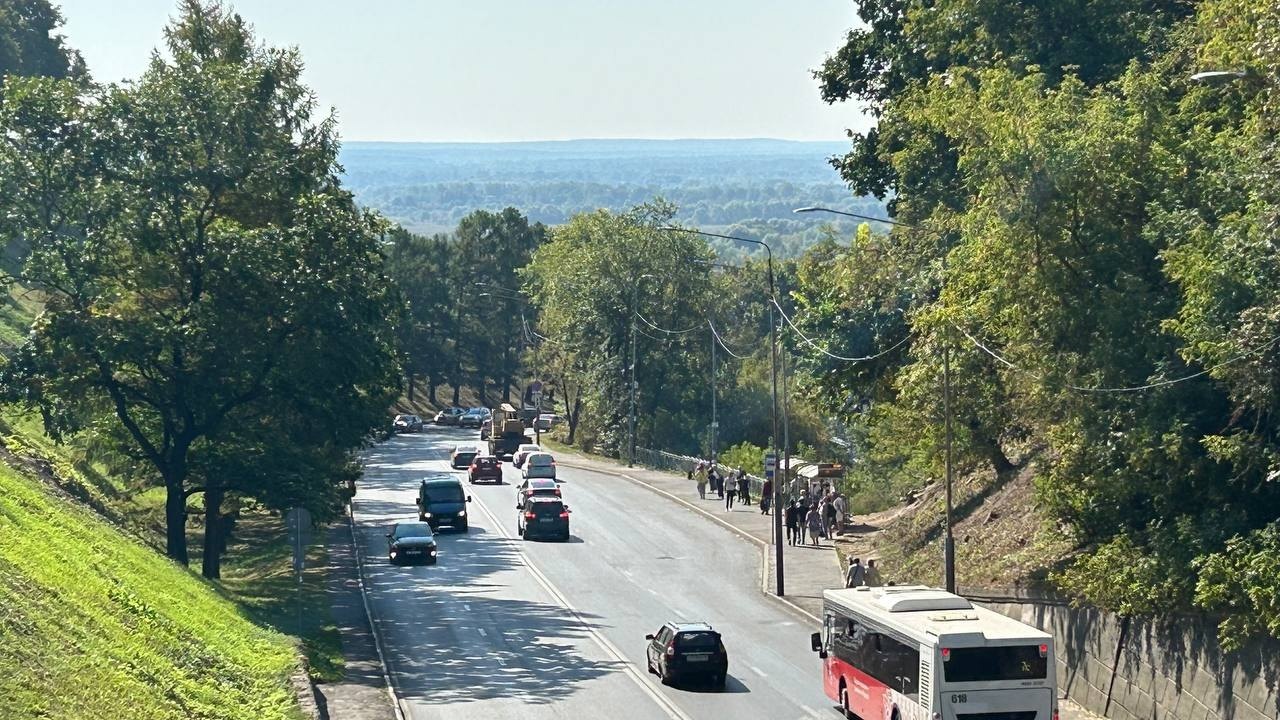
(522, 452)
(539, 465)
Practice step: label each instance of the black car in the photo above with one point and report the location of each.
(474, 417)
(543, 517)
(441, 501)
(409, 543)
(688, 651)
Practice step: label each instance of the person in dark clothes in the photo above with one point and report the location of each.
(766, 497)
(744, 487)
(792, 517)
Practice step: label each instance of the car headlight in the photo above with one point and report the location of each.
(426, 515)
(394, 553)
(462, 513)
(432, 551)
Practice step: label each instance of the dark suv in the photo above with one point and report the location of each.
(485, 468)
(688, 651)
(543, 517)
(441, 501)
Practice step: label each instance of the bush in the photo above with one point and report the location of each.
(744, 455)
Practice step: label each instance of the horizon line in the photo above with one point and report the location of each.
(585, 139)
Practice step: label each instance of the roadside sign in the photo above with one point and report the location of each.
(298, 520)
(770, 464)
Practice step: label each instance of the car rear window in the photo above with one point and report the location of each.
(547, 508)
(487, 461)
(698, 641)
(540, 460)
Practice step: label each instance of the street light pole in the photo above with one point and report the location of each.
(948, 539)
(631, 383)
(715, 426)
(773, 373)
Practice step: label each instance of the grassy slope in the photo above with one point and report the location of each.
(96, 622)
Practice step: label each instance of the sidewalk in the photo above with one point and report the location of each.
(807, 570)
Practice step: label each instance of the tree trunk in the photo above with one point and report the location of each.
(456, 389)
(408, 378)
(506, 390)
(211, 567)
(999, 461)
(573, 416)
(175, 517)
(431, 391)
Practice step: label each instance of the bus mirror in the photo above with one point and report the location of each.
(815, 641)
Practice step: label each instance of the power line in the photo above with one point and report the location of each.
(822, 350)
(664, 330)
(1133, 388)
(720, 340)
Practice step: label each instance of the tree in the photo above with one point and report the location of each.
(30, 44)
(198, 256)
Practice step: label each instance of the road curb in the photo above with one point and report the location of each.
(761, 544)
(368, 612)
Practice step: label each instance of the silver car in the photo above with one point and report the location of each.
(539, 465)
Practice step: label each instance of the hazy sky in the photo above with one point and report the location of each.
(481, 70)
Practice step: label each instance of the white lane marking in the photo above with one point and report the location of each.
(757, 671)
(466, 607)
(811, 711)
(642, 681)
(482, 632)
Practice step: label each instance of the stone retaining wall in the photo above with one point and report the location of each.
(1143, 669)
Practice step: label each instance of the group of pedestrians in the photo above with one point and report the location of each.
(808, 520)
(858, 575)
(728, 485)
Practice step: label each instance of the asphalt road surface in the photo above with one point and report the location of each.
(501, 628)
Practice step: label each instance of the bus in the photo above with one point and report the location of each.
(919, 653)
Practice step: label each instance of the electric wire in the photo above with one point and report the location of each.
(664, 330)
(805, 339)
(721, 342)
(1128, 389)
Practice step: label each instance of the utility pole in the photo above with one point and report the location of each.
(715, 426)
(631, 388)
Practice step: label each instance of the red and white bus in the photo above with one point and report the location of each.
(919, 653)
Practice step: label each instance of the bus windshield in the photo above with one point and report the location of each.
(994, 664)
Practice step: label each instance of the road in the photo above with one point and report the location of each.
(501, 628)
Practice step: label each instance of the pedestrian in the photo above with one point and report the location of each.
(730, 491)
(872, 578)
(841, 508)
(829, 517)
(856, 575)
(792, 516)
(744, 487)
(717, 483)
(766, 496)
(814, 521)
(700, 477)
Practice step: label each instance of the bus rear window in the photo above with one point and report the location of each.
(995, 664)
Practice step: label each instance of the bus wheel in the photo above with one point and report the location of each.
(844, 702)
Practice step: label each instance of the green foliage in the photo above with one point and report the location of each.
(96, 620)
(30, 44)
(1242, 582)
(206, 281)
(744, 455)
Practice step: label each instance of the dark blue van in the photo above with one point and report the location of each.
(441, 501)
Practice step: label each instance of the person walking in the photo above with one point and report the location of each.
(700, 477)
(829, 517)
(792, 517)
(814, 521)
(856, 575)
(766, 496)
(841, 508)
(744, 487)
(717, 483)
(730, 491)
(872, 578)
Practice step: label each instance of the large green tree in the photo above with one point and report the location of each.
(30, 44)
(198, 256)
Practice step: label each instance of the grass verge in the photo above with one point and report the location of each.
(96, 623)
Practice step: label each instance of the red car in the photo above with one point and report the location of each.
(485, 468)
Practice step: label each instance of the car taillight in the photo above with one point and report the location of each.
(498, 464)
(473, 467)
(557, 492)
(1055, 715)
(1044, 650)
(946, 654)
(528, 516)
(564, 515)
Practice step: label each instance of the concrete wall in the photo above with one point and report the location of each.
(1142, 669)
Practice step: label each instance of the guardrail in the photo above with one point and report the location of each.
(663, 460)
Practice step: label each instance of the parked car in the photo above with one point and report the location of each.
(523, 452)
(411, 542)
(545, 422)
(441, 501)
(543, 517)
(485, 468)
(539, 465)
(407, 424)
(687, 651)
(449, 416)
(474, 417)
(486, 428)
(463, 455)
(536, 488)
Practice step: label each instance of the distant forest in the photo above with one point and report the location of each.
(744, 187)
